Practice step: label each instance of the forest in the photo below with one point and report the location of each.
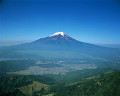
(99, 82)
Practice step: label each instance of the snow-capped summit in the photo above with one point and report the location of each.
(59, 36)
(58, 33)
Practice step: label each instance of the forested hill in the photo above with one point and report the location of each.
(93, 86)
(106, 84)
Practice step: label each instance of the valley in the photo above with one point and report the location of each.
(37, 67)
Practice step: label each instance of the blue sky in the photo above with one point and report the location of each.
(93, 21)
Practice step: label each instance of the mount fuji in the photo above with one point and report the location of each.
(58, 41)
(64, 46)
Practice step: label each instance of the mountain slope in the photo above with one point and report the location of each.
(99, 85)
(59, 42)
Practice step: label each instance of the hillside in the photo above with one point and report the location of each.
(101, 84)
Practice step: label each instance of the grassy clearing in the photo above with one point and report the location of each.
(36, 86)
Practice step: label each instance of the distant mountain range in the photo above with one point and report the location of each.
(60, 45)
